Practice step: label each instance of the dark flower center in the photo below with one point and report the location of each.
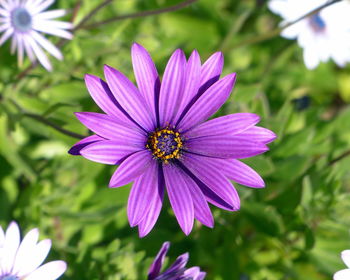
(21, 19)
(9, 277)
(165, 144)
(317, 22)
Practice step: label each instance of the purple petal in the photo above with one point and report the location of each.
(75, 150)
(142, 192)
(209, 102)
(259, 134)
(225, 146)
(179, 196)
(229, 124)
(172, 87)
(211, 71)
(192, 82)
(104, 98)
(194, 273)
(201, 209)
(129, 98)
(239, 172)
(131, 168)
(109, 128)
(146, 76)
(147, 223)
(210, 195)
(156, 266)
(178, 265)
(108, 151)
(206, 172)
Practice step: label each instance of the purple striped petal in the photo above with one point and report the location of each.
(259, 134)
(148, 222)
(210, 195)
(179, 196)
(146, 76)
(178, 265)
(129, 97)
(209, 102)
(157, 264)
(76, 148)
(171, 89)
(201, 209)
(211, 71)
(104, 98)
(206, 172)
(142, 192)
(131, 168)
(229, 124)
(192, 82)
(239, 172)
(109, 128)
(225, 146)
(108, 151)
(194, 273)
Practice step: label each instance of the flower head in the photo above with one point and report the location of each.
(24, 21)
(159, 136)
(22, 260)
(345, 273)
(324, 35)
(177, 271)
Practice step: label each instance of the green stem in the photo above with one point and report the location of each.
(53, 125)
(45, 121)
(343, 155)
(142, 14)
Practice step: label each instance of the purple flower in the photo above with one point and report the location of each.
(22, 260)
(158, 135)
(177, 271)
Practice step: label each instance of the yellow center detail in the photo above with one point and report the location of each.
(165, 144)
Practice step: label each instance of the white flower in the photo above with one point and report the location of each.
(23, 20)
(345, 273)
(324, 35)
(22, 260)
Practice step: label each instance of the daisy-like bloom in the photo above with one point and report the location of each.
(24, 21)
(345, 273)
(177, 271)
(22, 260)
(323, 36)
(158, 136)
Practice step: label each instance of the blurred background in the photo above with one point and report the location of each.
(295, 228)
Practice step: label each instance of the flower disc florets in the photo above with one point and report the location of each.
(21, 19)
(165, 144)
(317, 23)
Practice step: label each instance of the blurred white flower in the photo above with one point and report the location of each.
(22, 260)
(323, 35)
(345, 273)
(24, 20)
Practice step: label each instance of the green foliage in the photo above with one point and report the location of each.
(295, 228)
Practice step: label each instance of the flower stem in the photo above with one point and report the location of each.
(91, 14)
(45, 121)
(343, 155)
(142, 14)
(53, 125)
(277, 31)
